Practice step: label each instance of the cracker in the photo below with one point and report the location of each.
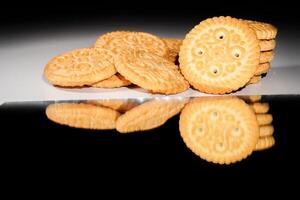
(254, 80)
(266, 130)
(262, 69)
(260, 108)
(150, 72)
(264, 31)
(264, 119)
(219, 55)
(266, 56)
(133, 40)
(221, 130)
(80, 67)
(265, 143)
(148, 115)
(120, 105)
(80, 115)
(173, 45)
(267, 45)
(115, 81)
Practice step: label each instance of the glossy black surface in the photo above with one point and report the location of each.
(33, 144)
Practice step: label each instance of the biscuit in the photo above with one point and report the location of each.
(265, 143)
(264, 31)
(120, 105)
(264, 119)
(173, 45)
(262, 69)
(254, 79)
(221, 130)
(220, 55)
(150, 72)
(80, 115)
(260, 108)
(80, 67)
(115, 81)
(267, 45)
(251, 99)
(265, 131)
(149, 115)
(117, 42)
(266, 56)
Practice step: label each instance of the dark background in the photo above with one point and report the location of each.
(38, 149)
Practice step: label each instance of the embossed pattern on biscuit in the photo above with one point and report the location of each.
(221, 130)
(150, 72)
(80, 115)
(133, 40)
(80, 67)
(219, 55)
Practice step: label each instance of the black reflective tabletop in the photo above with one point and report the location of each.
(33, 143)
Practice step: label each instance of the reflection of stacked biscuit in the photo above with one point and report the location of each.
(266, 33)
(225, 130)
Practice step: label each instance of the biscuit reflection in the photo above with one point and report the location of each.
(221, 130)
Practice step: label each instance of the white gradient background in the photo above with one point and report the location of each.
(24, 54)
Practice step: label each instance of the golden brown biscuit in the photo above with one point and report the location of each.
(80, 115)
(254, 80)
(149, 115)
(80, 67)
(115, 81)
(266, 130)
(173, 45)
(266, 57)
(265, 143)
(262, 69)
(117, 42)
(264, 119)
(220, 55)
(264, 31)
(221, 130)
(267, 45)
(260, 108)
(150, 72)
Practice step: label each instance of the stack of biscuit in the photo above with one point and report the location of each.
(266, 33)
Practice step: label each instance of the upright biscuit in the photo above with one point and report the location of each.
(222, 130)
(262, 69)
(115, 81)
(150, 72)
(265, 143)
(149, 115)
(82, 115)
(267, 45)
(266, 57)
(260, 108)
(264, 31)
(219, 55)
(80, 67)
(133, 40)
(251, 99)
(266, 130)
